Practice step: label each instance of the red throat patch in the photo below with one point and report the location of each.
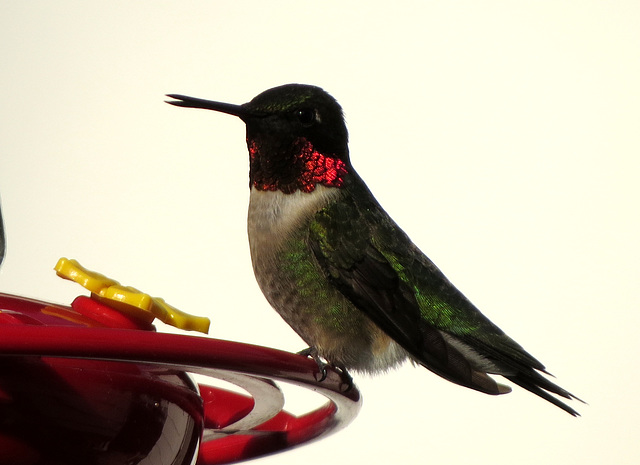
(313, 168)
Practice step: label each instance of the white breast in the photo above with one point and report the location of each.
(273, 215)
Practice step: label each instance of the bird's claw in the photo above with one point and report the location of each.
(322, 367)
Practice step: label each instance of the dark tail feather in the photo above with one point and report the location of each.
(539, 385)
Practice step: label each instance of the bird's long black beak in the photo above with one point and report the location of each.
(192, 102)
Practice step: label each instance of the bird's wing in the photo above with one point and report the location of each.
(376, 266)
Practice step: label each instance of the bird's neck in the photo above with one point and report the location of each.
(293, 167)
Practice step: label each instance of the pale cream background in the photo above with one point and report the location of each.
(502, 135)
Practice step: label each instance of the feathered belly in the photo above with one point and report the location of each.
(320, 314)
(296, 287)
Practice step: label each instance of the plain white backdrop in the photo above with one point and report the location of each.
(502, 136)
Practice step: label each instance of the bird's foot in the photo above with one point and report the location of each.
(346, 377)
(312, 352)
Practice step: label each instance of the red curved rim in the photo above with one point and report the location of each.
(209, 357)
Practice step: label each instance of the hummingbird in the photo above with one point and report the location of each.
(341, 272)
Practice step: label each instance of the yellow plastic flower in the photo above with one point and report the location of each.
(129, 300)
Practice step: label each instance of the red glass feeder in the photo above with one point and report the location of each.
(86, 384)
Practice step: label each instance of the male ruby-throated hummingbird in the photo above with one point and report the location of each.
(341, 272)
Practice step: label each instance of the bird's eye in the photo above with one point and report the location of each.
(306, 116)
